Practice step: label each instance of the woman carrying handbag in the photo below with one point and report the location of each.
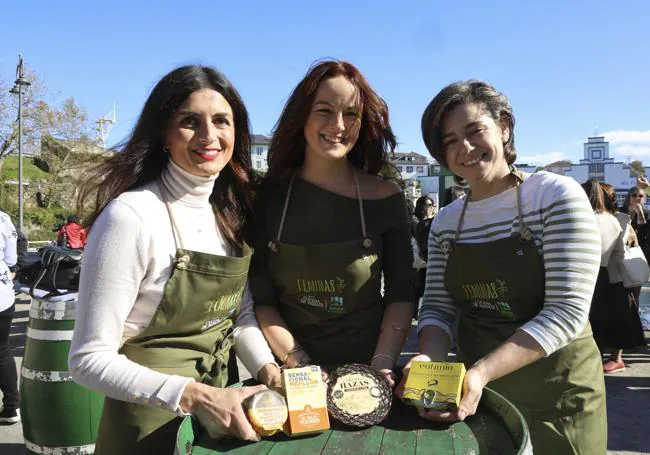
(624, 330)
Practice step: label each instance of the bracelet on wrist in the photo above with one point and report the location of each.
(295, 350)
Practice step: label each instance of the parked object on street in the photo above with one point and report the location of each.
(57, 271)
(58, 415)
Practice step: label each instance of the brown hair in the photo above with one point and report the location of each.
(141, 159)
(596, 196)
(609, 197)
(493, 102)
(376, 139)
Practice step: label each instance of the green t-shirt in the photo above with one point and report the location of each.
(316, 216)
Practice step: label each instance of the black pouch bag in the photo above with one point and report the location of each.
(59, 270)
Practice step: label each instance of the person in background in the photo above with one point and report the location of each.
(425, 209)
(451, 194)
(10, 413)
(510, 275)
(72, 234)
(634, 205)
(330, 226)
(621, 323)
(165, 269)
(410, 208)
(612, 250)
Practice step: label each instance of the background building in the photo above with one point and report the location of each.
(260, 152)
(598, 165)
(410, 165)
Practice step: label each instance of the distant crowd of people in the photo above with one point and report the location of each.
(504, 274)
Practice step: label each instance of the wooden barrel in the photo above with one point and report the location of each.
(59, 416)
(497, 428)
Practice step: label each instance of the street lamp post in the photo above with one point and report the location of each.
(18, 89)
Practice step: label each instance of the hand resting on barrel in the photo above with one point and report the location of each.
(219, 410)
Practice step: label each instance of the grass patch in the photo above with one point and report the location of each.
(30, 172)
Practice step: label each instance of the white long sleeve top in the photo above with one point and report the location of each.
(8, 258)
(127, 261)
(611, 238)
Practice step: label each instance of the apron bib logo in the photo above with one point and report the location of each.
(501, 307)
(312, 301)
(332, 304)
(222, 307)
(488, 296)
(332, 286)
(491, 290)
(336, 305)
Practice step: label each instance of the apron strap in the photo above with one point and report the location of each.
(286, 206)
(366, 241)
(524, 233)
(175, 231)
(363, 218)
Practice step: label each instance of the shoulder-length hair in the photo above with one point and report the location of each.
(140, 158)
(376, 139)
(493, 102)
(628, 196)
(609, 197)
(421, 207)
(595, 195)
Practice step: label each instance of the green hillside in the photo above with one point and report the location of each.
(30, 172)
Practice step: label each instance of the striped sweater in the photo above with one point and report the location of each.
(557, 211)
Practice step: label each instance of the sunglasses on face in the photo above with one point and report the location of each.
(637, 195)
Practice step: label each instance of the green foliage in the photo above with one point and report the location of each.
(638, 166)
(390, 172)
(66, 136)
(39, 223)
(30, 172)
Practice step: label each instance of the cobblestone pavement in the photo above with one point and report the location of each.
(628, 394)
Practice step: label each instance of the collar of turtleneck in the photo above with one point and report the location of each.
(189, 189)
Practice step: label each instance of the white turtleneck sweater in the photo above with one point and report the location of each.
(127, 261)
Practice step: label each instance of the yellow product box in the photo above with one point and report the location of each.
(306, 400)
(434, 385)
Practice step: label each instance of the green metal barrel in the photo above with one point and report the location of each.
(59, 416)
(497, 428)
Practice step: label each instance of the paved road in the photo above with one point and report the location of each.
(628, 394)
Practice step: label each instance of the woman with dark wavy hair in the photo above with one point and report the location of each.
(166, 266)
(512, 267)
(330, 226)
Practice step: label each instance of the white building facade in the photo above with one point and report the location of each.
(597, 164)
(260, 152)
(410, 165)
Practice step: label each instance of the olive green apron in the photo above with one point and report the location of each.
(190, 335)
(499, 286)
(329, 294)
